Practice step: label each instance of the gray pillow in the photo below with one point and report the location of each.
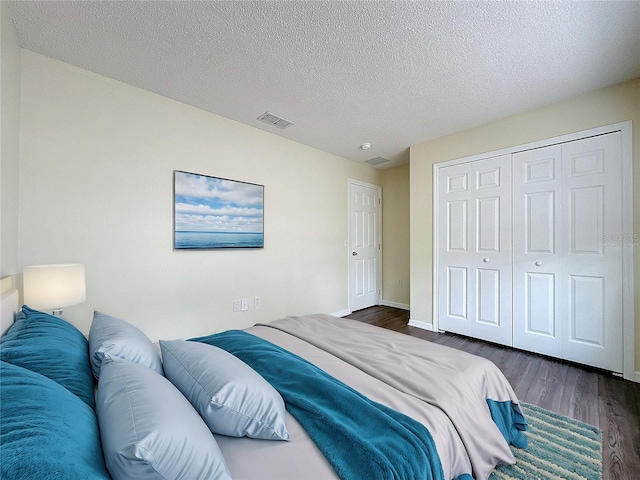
(230, 396)
(149, 430)
(110, 335)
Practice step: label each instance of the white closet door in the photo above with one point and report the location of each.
(567, 251)
(474, 277)
(592, 265)
(537, 250)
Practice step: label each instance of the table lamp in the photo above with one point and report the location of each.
(51, 287)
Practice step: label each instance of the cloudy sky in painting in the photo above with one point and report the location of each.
(208, 204)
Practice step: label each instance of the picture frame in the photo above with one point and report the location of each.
(216, 213)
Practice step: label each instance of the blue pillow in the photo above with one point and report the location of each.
(231, 397)
(149, 430)
(115, 337)
(46, 431)
(52, 347)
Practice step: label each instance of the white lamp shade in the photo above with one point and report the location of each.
(54, 286)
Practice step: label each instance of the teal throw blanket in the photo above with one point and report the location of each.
(510, 421)
(360, 438)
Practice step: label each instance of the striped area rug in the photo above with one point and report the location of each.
(559, 448)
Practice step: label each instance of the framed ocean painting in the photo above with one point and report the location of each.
(211, 212)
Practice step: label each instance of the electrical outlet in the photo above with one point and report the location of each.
(399, 282)
(244, 304)
(236, 306)
(256, 302)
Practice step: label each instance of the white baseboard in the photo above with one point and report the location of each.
(346, 311)
(419, 324)
(636, 377)
(403, 306)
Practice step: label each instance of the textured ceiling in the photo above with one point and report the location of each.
(347, 72)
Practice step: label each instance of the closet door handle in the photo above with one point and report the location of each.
(485, 260)
(538, 264)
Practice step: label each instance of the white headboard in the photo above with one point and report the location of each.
(8, 303)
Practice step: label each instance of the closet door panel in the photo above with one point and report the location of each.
(587, 322)
(540, 295)
(456, 224)
(592, 265)
(488, 233)
(488, 311)
(536, 251)
(457, 293)
(539, 222)
(474, 259)
(586, 217)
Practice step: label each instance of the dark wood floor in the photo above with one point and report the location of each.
(591, 396)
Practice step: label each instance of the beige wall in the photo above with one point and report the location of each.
(10, 141)
(395, 236)
(96, 167)
(604, 107)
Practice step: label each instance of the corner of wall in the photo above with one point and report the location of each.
(10, 79)
(420, 324)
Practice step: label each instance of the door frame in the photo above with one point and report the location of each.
(628, 238)
(353, 182)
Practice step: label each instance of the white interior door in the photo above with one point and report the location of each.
(537, 250)
(592, 266)
(365, 242)
(474, 244)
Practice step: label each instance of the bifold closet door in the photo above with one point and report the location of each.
(592, 266)
(537, 251)
(567, 251)
(474, 239)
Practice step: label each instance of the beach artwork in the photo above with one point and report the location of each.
(211, 212)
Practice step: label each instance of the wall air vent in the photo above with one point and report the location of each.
(376, 161)
(274, 120)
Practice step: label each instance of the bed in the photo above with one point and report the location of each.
(376, 403)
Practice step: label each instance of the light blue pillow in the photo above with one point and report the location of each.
(110, 335)
(52, 347)
(229, 395)
(46, 431)
(149, 430)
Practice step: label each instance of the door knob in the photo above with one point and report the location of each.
(538, 264)
(485, 260)
(354, 253)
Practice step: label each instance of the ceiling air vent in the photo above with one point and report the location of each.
(274, 120)
(376, 161)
